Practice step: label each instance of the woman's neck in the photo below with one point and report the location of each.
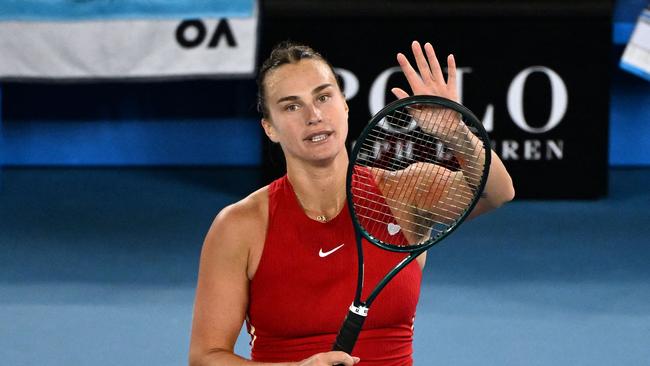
(320, 190)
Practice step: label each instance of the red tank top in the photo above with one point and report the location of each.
(305, 283)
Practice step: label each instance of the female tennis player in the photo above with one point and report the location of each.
(283, 259)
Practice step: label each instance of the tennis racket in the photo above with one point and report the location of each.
(415, 173)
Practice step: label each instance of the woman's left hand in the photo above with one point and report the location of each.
(429, 79)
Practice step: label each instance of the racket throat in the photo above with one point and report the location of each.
(361, 310)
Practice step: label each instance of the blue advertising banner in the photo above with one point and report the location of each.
(69, 10)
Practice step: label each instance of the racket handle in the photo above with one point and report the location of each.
(350, 329)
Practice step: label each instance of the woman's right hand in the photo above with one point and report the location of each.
(330, 359)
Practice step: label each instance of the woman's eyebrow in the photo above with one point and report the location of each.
(316, 90)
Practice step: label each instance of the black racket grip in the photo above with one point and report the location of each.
(349, 332)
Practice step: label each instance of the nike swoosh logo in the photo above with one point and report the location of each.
(325, 254)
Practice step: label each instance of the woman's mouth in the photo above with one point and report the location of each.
(318, 137)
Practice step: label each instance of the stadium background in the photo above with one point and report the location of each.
(107, 187)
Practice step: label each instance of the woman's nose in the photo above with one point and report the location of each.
(314, 116)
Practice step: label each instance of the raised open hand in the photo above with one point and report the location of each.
(429, 79)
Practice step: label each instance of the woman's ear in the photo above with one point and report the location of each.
(268, 129)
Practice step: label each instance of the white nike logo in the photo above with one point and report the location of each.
(325, 254)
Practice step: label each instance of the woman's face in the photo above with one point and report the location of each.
(308, 114)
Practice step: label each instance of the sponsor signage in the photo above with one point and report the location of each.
(82, 40)
(540, 85)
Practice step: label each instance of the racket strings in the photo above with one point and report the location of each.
(379, 199)
(420, 185)
(420, 188)
(466, 150)
(461, 149)
(405, 230)
(426, 224)
(410, 209)
(395, 164)
(397, 206)
(420, 226)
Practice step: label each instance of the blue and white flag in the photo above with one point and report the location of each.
(95, 39)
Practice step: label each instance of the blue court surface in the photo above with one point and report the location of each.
(98, 267)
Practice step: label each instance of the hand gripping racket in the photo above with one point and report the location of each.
(415, 173)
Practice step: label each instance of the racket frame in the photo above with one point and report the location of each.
(377, 118)
(359, 309)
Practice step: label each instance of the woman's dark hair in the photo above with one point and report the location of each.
(286, 52)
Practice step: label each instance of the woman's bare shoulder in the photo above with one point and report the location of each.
(237, 231)
(243, 218)
(248, 210)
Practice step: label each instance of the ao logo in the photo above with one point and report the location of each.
(515, 96)
(193, 32)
